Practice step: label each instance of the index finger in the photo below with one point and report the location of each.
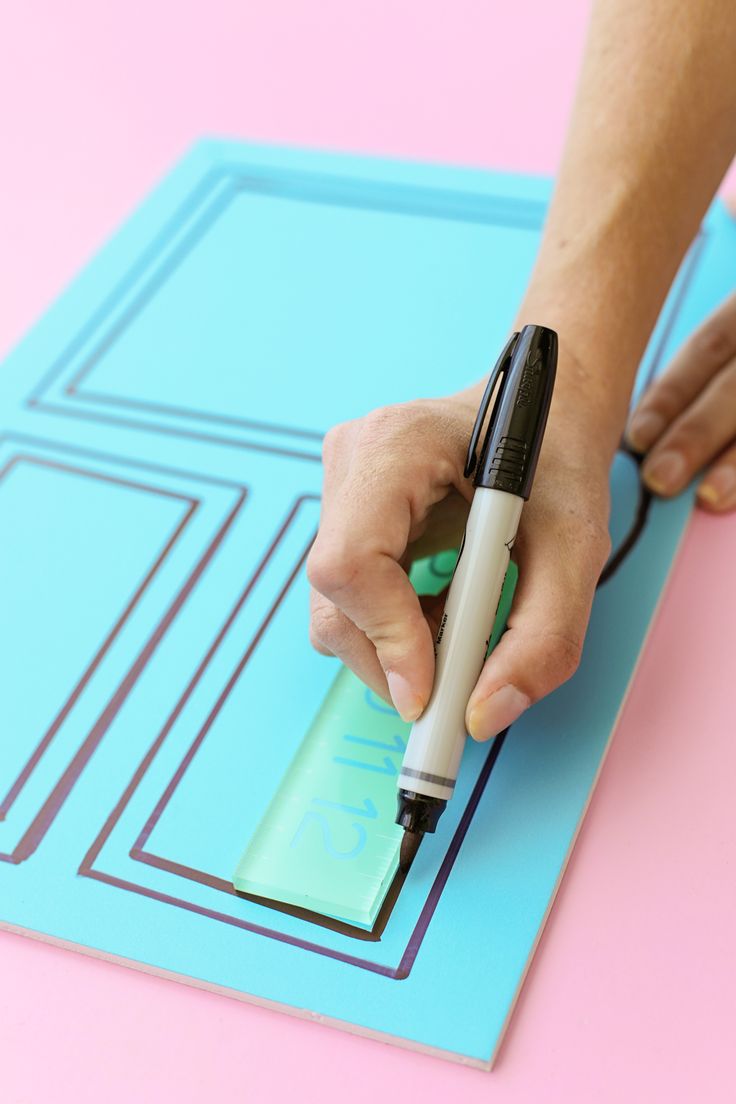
(351, 565)
(368, 519)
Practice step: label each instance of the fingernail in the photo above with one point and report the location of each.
(408, 704)
(719, 486)
(644, 429)
(494, 714)
(666, 473)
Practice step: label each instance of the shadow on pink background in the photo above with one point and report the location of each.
(632, 995)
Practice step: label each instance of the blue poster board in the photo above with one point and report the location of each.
(159, 490)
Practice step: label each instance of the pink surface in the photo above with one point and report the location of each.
(632, 994)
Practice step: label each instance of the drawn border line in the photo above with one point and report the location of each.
(42, 744)
(207, 202)
(411, 951)
(137, 853)
(51, 806)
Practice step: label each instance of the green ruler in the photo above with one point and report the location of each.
(328, 842)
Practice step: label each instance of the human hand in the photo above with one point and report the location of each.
(686, 421)
(394, 491)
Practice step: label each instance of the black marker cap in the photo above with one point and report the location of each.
(510, 450)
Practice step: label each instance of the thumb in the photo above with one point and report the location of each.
(542, 645)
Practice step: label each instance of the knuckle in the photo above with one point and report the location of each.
(424, 439)
(333, 438)
(397, 638)
(557, 655)
(395, 421)
(402, 643)
(566, 652)
(318, 644)
(714, 342)
(692, 436)
(385, 422)
(669, 397)
(727, 387)
(330, 569)
(381, 440)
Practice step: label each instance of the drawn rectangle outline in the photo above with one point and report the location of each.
(44, 817)
(206, 202)
(255, 177)
(403, 968)
(237, 993)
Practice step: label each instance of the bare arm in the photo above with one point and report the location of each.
(652, 131)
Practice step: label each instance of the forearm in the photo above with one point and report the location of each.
(652, 132)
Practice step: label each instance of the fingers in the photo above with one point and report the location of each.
(542, 645)
(382, 476)
(717, 492)
(699, 360)
(702, 431)
(332, 633)
(688, 416)
(376, 597)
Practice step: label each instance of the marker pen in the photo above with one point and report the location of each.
(504, 471)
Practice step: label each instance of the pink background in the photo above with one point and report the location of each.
(632, 993)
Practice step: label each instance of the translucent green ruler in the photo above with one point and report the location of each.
(328, 842)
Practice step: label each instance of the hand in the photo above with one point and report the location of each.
(394, 491)
(686, 421)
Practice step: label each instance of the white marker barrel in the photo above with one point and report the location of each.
(435, 746)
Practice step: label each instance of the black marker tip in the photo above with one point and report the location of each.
(409, 847)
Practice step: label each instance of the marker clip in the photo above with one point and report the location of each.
(502, 364)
